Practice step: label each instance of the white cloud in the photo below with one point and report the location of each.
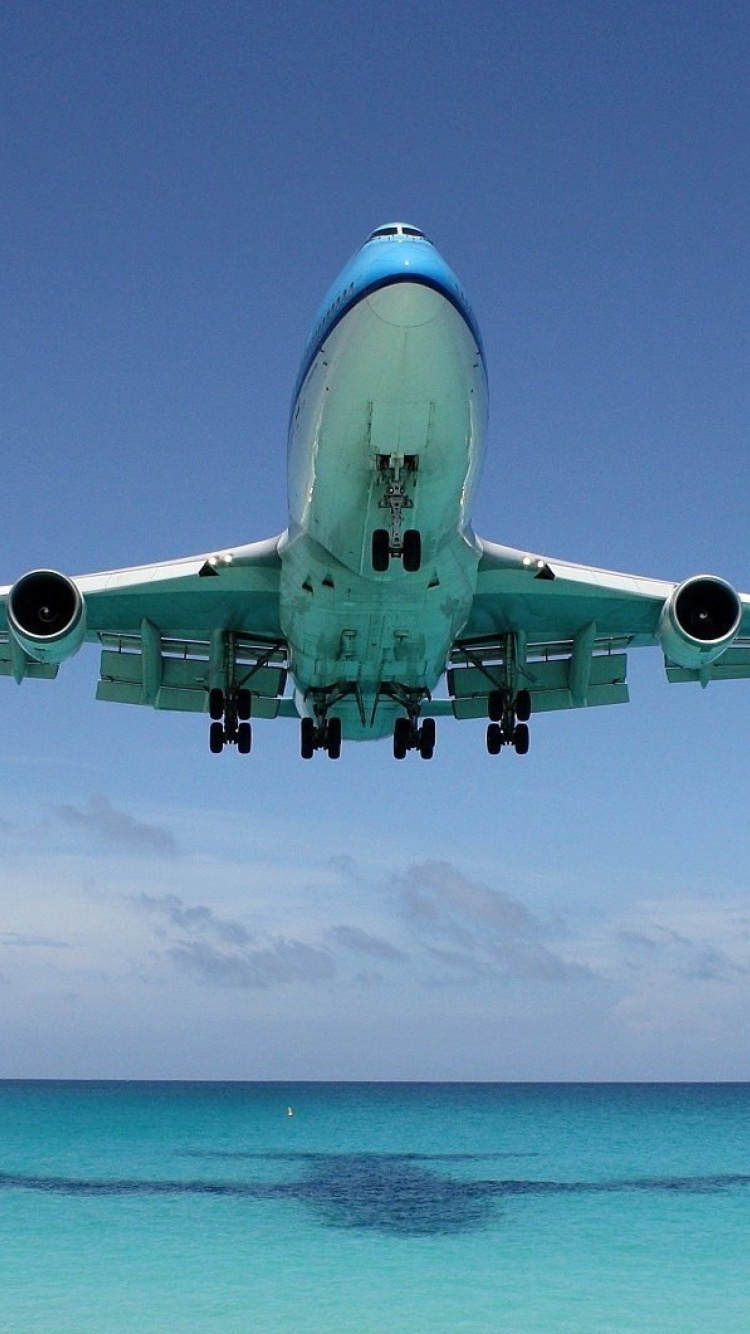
(118, 827)
(466, 925)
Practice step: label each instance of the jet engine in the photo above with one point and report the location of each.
(699, 620)
(46, 615)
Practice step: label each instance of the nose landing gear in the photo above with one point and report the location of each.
(397, 474)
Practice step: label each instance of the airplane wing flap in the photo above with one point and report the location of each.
(557, 683)
(178, 675)
(9, 663)
(733, 665)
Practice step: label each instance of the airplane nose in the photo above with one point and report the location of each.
(405, 304)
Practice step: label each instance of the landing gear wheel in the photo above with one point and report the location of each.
(494, 739)
(244, 738)
(411, 551)
(381, 550)
(401, 738)
(244, 704)
(495, 706)
(521, 739)
(523, 706)
(216, 704)
(216, 738)
(427, 739)
(307, 738)
(333, 738)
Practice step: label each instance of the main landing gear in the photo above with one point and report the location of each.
(323, 735)
(230, 720)
(508, 721)
(409, 735)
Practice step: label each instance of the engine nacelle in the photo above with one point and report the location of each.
(47, 615)
(699, 620)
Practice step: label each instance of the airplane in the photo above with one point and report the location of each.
(378, 594)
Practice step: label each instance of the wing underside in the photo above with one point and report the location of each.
(562, 632)
(171, 632)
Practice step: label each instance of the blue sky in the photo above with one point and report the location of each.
(181, 183)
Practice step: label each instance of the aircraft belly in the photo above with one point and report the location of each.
(360, 637)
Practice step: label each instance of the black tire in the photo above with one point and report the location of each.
(244, 738)
(411, 551)
(401, 738)
(244, 705)
(333, 738)
(216, 704)
(216, 738)
(307, 738)
(495, 706)
(521, 739)
(494, 739)
(523, 706)
(427, 739)
(381, 550)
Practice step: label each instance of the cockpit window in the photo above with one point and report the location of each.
(396, 229)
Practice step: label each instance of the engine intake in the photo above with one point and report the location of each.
(47, 615)
(699, 620)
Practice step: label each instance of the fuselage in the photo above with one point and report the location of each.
(386, 437)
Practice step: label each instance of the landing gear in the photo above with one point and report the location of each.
(408, 735)
(409, 549)
(508, 721)
(323, 735)
(397, 474)
(229, 712)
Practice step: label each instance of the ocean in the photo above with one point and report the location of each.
(374, 1207)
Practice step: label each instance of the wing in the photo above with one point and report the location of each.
(171, 632)
(561, 632)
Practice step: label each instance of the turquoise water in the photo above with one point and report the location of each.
(376, 1207)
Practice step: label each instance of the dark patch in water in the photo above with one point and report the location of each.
(309, 1156)
(381, 1192)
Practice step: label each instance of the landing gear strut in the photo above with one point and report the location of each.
(508, 721)
(230, 714)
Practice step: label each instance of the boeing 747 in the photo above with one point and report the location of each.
(378, 592)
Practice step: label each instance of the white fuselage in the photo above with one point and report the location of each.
(398, 377)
